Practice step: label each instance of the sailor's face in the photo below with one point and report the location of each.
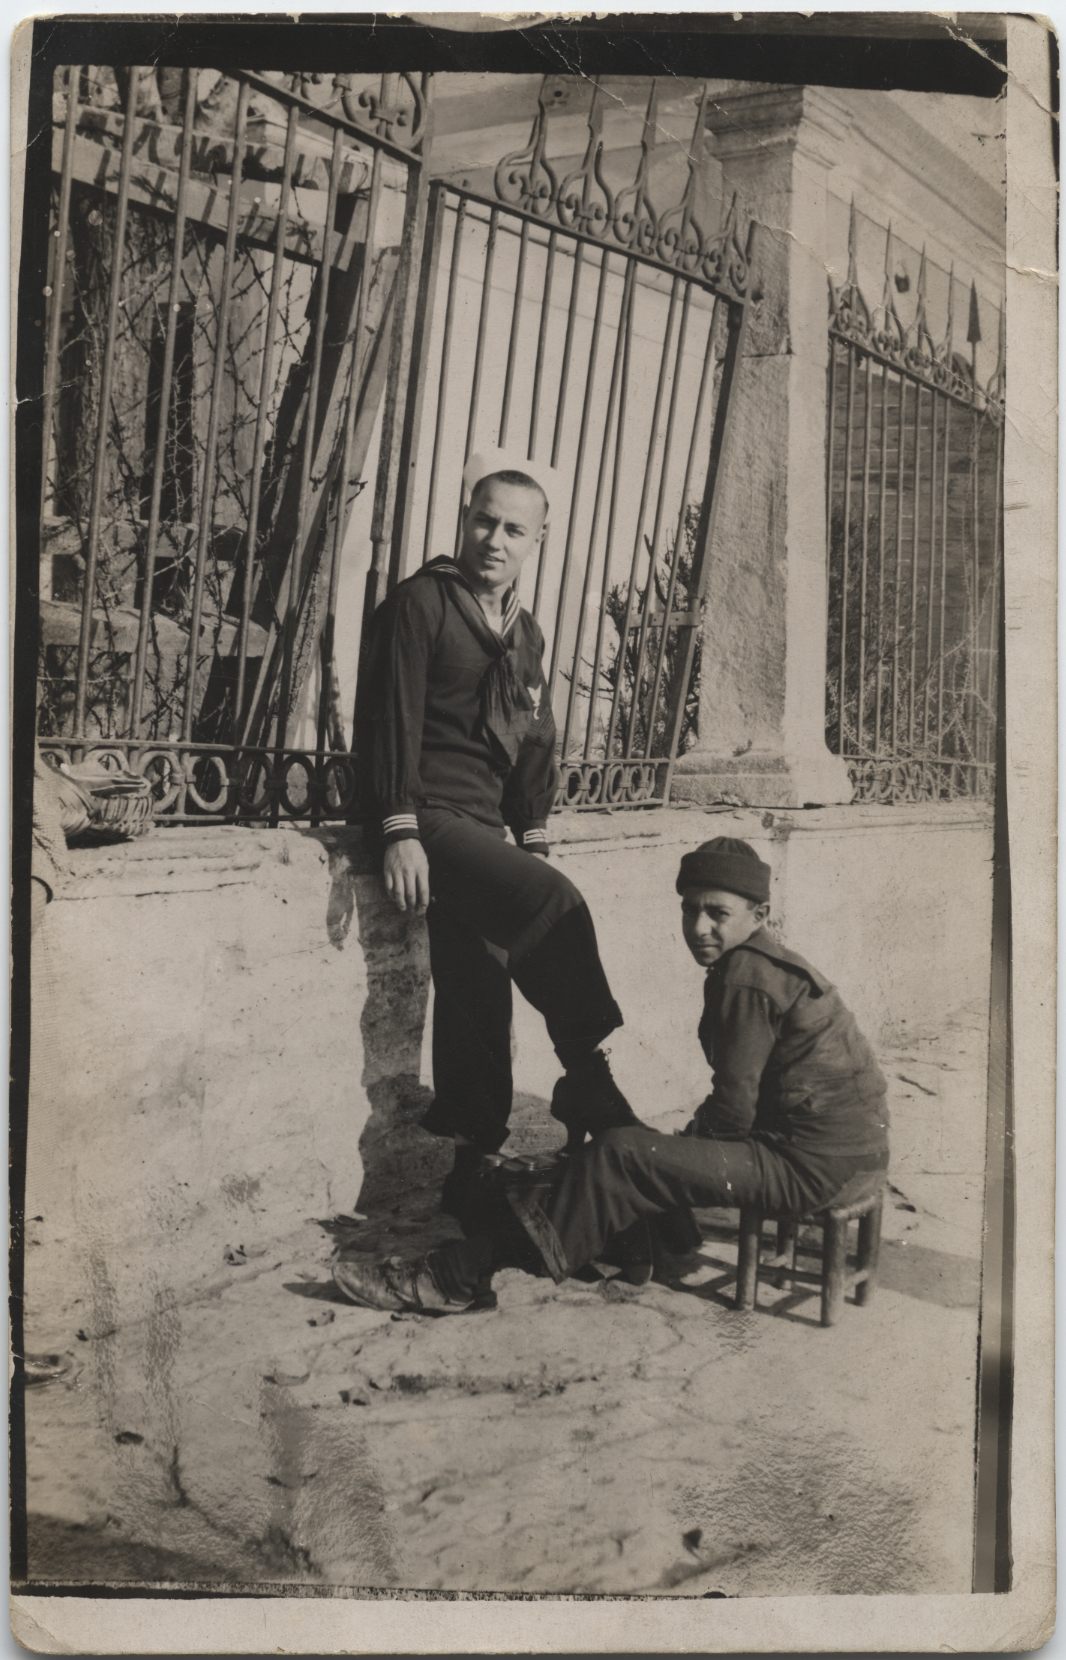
(501, 527)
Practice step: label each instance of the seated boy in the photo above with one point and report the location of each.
(796, 1110)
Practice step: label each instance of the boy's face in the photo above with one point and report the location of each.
(714, 920)
(501, 527)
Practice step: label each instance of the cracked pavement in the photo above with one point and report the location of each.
(589, 1438)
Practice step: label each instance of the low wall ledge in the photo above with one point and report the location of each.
(190, 859)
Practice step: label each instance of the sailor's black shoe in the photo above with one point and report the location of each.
(461, 1195)
(587, 1101)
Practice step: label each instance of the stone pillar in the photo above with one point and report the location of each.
(762, 695)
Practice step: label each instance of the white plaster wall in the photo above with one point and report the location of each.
(893, 905)
(230, 1027)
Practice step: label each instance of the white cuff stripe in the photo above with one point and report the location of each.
(400, 821)
(535, 836)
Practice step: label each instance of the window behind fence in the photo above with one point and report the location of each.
(226, 281)
(914, 470)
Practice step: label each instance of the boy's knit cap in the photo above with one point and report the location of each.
(726, 862)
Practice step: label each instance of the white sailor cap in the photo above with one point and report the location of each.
(487, 462)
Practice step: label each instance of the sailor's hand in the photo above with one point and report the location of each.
(406, 874)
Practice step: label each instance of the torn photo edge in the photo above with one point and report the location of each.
(1016, 1425)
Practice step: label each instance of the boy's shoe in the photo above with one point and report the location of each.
(632, 1252)
(393, 1285)
(588, 1101)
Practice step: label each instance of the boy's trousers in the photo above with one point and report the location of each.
(628, 1174)
(498, 914)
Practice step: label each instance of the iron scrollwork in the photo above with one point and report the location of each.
(626, 219)
(584, 201)
(917, 779)
(612, 783)
(525, 179)
(203, 783)
(636, 227)
(911, 348)
(390, 107)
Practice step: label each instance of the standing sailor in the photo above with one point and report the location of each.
(457, 745)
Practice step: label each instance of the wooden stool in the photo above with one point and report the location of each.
(861, 1199)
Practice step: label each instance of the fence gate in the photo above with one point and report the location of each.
(580, 325)
(915, 466)
(227, 301)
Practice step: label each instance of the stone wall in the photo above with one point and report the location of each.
(230, 1026)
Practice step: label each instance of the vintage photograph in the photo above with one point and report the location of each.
(511, 1040)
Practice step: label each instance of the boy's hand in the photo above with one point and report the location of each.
(406, 873)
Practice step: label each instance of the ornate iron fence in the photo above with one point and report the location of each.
(234, 347)
(583, 324)
(227, 304)
(914, 471)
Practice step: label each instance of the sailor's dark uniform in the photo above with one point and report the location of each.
(456, 745)
(797, 1108)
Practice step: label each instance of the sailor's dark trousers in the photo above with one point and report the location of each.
(499, 915)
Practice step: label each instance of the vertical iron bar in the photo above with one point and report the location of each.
(627, 624)
(945, 470)
(619, 341)
(914, 562)
(325, 278)
(879, 643)
(579, 464)
(975, 579)
(849, 408)
(325, 275)
(898, 583)
(626, 320)
(534, 401)
(215, 415)
(442, 382)
(479, 354)
(660, 504)
(340, 521)
(340, 517)
(931, 567)
(736, 329)
(59, 276)
(277, 274)
(329, 630)
(103, 448)
(830, 481)
(560, 413)
(992, 677)
(542, 334)
(155, 501)
(568, 343)
(830, 457)
(393, 499)
(864, 558)
(397, 387)
(679, 537)
(516, 326)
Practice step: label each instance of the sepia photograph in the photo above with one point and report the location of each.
(514, 852)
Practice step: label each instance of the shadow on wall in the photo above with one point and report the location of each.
(403, 1166)
(397, 1156)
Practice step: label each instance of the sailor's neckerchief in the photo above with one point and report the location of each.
(502, 692)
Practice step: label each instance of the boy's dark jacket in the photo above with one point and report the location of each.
(790, 1064)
